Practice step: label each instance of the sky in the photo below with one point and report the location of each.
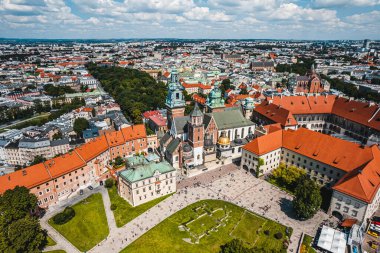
(190, 19)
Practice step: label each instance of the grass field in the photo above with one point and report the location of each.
(50, 241)
(55, 251)
(89, 226)
(124, 212)
(306, 244)
(166, 236)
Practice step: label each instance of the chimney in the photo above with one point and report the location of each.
(24, 172)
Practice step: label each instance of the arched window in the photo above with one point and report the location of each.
(242, 133)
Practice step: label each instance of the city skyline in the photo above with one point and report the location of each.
(214, 19)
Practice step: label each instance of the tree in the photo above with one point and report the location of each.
(19, 230)
(119, 161)
(136, 115)
(109, 183)
(57, 135)
(243, 91)
(16, 204)
(93, 112)
(25, 235)
(235, 246)
(287, 176)
(307, 199)
(38, 159)
(80, 124)
(260, 162)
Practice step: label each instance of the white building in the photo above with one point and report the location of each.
(144, 181)
(352, 170)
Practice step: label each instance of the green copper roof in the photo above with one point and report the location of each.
(145, 171)
(230, 119)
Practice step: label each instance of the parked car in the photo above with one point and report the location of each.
(372, 233)
(90, 187)
(81, 192)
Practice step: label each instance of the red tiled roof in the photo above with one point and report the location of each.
(93, 148)
(276, 113)
(355, 111)
(64, 164)
(265, 143)
(55, 167)
(37, 173)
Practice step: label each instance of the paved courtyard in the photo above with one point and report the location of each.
(233, 185)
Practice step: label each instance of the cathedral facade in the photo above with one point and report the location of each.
(199, 138)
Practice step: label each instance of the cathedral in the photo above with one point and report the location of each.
(310, 83)
(207, 135)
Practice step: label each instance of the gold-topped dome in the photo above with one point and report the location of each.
(223, 139)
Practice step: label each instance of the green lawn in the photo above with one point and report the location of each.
(50, 241)
(241, 224)
(124, 212)
(89, 226)
(247, 227)
(55, 251)
(306, 244)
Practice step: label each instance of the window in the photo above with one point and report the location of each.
(47, 190)
(137, 191)
(51, 197)
(345, 209)
(46, 200)
(337, 206)
(354, 213)
(357, 205)
(40, 193)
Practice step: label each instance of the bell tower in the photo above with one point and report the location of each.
(215, 102)
(196, 134)
(175, 101)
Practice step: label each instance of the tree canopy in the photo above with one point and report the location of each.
(135, 91)
(80, 124)
(19, 230)
(307, 199)
(287, 176)
(38, 159)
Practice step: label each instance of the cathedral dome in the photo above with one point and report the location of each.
(224, 140)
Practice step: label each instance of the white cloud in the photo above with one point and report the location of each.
(372, 17)
(333, 3)
(204, 13)
(291, 11)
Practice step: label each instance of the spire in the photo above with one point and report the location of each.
(196, 111)
(312, 69)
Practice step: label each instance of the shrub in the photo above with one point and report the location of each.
(109, 183)
(267, 232)
(278, 235)
(65, 216)
(113, 207)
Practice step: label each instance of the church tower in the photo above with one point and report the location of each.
(175, 101)
(215, 102)
(196, 134)
(248, 107)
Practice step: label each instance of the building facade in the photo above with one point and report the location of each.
(143, 181)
